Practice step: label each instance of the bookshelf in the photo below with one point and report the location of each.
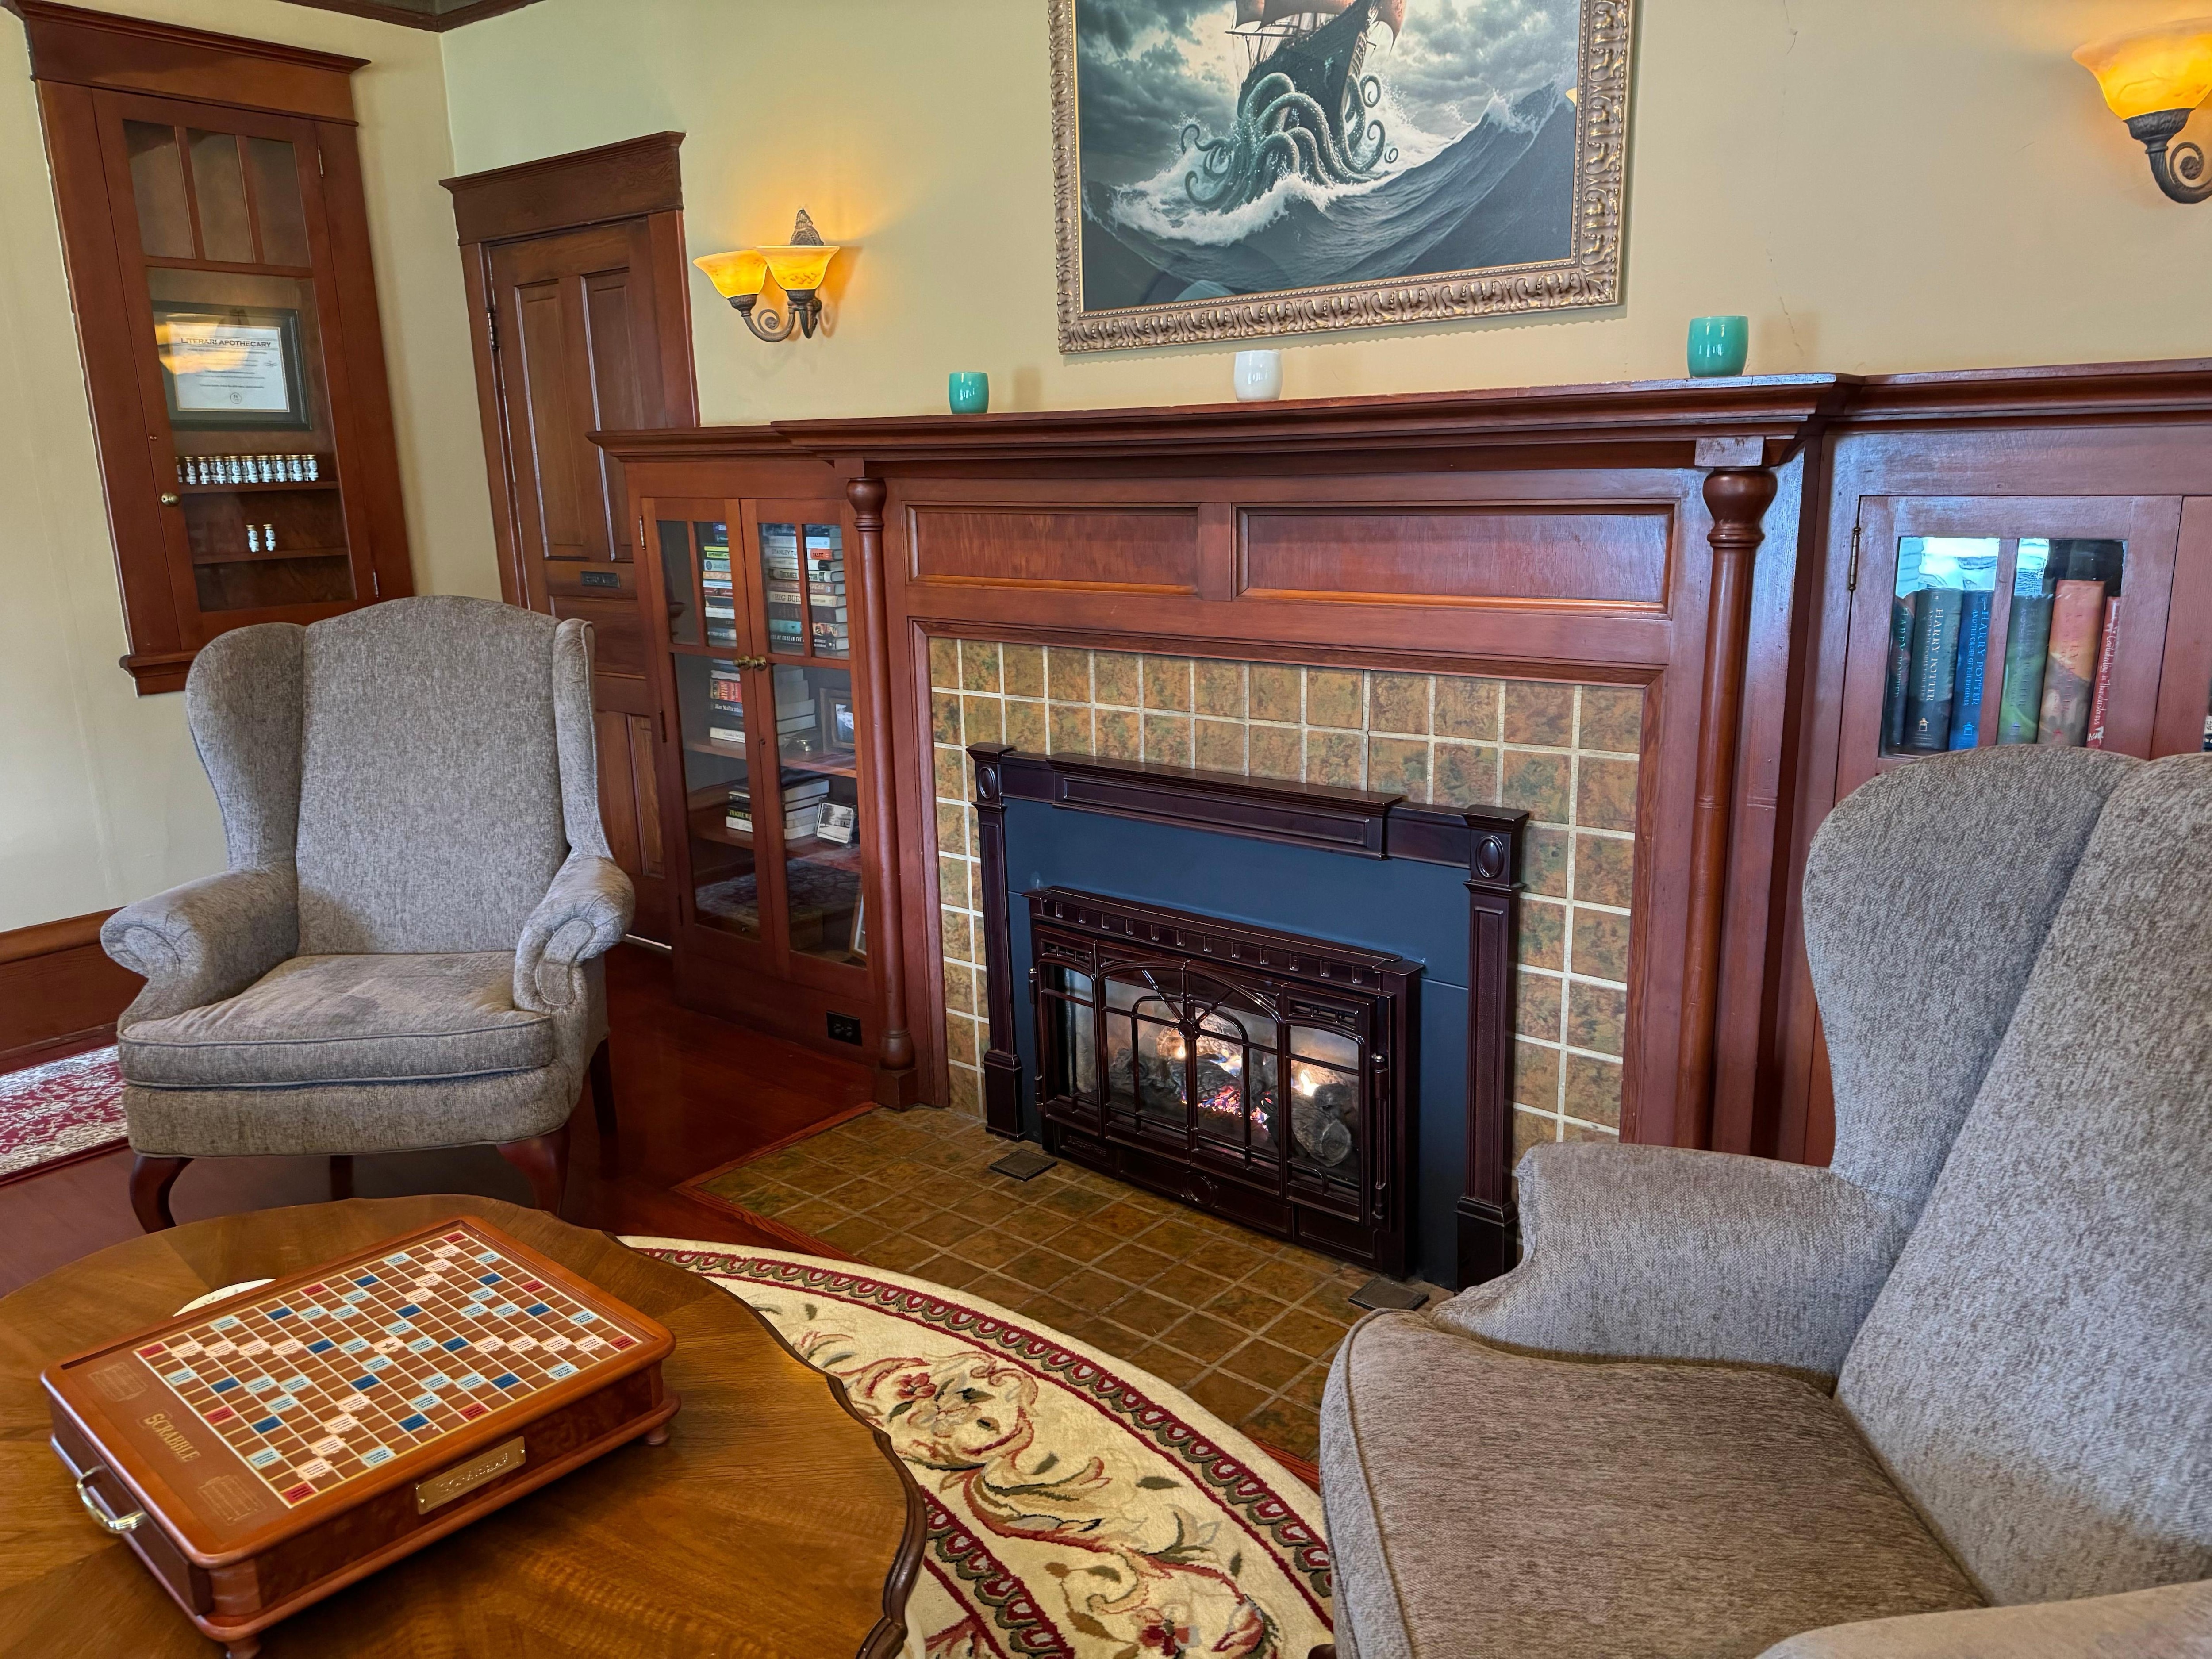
(754, 624)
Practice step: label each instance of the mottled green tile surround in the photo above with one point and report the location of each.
(1567, 753)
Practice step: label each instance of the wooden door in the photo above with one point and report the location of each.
(584, 328)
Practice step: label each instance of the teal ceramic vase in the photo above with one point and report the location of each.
(1719, 345)
(968, 390)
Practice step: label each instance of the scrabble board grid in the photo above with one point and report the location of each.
(325, 1382)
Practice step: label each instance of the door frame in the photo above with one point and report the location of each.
(638, 178)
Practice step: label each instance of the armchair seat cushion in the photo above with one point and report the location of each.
(347, 1019)
(1486, 1502)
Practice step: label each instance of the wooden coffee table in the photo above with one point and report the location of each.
(773, 1522)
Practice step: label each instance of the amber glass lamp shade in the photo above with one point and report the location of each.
(735, 276)
(2167, 68)
(799, 267)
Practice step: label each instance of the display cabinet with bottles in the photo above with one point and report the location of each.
(210, 201)
(755, 594)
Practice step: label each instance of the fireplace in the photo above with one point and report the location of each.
(1252, 1073)
(1287, 1003)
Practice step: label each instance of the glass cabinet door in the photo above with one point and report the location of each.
(1977, 624)
(715, 711)
(768, 725)
(801, 562)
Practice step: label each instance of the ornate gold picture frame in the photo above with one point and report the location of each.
(1226, 169)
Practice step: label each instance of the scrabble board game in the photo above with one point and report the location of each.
(350, 1415)
(325, 1382)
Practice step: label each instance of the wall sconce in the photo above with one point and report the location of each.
(2154, 80)
(796, 267)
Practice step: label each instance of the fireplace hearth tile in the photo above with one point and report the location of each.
(920, 1173)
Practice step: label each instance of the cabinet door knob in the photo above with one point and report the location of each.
(170, 498)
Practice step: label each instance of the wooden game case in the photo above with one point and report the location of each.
(234, 1566)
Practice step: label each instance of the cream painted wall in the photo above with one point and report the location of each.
(1882, 185)
(102, 799)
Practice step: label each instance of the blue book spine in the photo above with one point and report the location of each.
(1973, 665)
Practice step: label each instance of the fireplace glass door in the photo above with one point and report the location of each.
(1166, 1053)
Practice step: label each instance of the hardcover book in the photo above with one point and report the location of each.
(2069, 666)
(1901, 613)
(2100, 703)
(1929, 687)
(1973, 671)
(2027, 638)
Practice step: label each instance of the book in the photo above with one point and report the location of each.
(2070, 665)
(1901, 609)
(734, 736)
(1973, 671)
(2101, 699)
(1932, 680)
(2027, 638)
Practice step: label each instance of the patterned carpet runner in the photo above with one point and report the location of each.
(63, 1110)
(1078, 1505)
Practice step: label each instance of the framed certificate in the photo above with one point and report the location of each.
(234, 367)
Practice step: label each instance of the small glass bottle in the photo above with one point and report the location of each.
(232, 472)
(253, 539)
(293, 469)
(314, 467)
(268, 539)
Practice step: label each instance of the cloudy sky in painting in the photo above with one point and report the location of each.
(1147, 66)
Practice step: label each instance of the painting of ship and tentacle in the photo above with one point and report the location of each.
(1229, 168)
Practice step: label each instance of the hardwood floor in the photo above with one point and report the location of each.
(692, 1090)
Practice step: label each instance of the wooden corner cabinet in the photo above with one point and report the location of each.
(209, 194)
(772, 757)
(2008, 556)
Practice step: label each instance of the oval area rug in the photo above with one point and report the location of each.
(1077, 1506)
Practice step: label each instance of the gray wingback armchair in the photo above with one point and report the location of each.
(1948, 1398)
(404, 952)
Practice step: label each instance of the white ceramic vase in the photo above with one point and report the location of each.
(1259, 376)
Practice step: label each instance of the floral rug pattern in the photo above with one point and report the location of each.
(54, 1112)
(1077, 1506)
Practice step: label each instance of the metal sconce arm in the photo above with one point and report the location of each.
(2178, 168)
(801, 312)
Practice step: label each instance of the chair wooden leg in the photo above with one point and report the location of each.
(545, 1159)
(340, 1175)
(150, 1181)
(603, 1090)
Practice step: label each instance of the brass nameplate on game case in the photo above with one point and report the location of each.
(465, 1477)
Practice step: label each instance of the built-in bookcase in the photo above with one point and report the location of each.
(753, 597)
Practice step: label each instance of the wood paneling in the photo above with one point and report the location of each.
(58, 992)
(1490, 558)
(1103, 549)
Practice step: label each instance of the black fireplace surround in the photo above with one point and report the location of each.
(1270, 1077)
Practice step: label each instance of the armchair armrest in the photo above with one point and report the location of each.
(2174, 1621)
(583, 915)
(1652, 1253)
(206, 941)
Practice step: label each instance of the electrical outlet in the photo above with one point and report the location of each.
(843, 1028)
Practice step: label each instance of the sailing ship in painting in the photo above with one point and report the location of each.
(1305, 105)
(1336, 162)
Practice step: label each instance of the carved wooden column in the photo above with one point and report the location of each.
(1002, 1064)
(895, 1079)
(1738, 491)
(1487, 1224)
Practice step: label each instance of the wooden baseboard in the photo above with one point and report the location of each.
(59, 994)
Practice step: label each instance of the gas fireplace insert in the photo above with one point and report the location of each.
(1256, 1074)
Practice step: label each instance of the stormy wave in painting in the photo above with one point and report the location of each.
(1241, 147)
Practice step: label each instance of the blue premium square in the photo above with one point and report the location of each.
(414, 1420)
